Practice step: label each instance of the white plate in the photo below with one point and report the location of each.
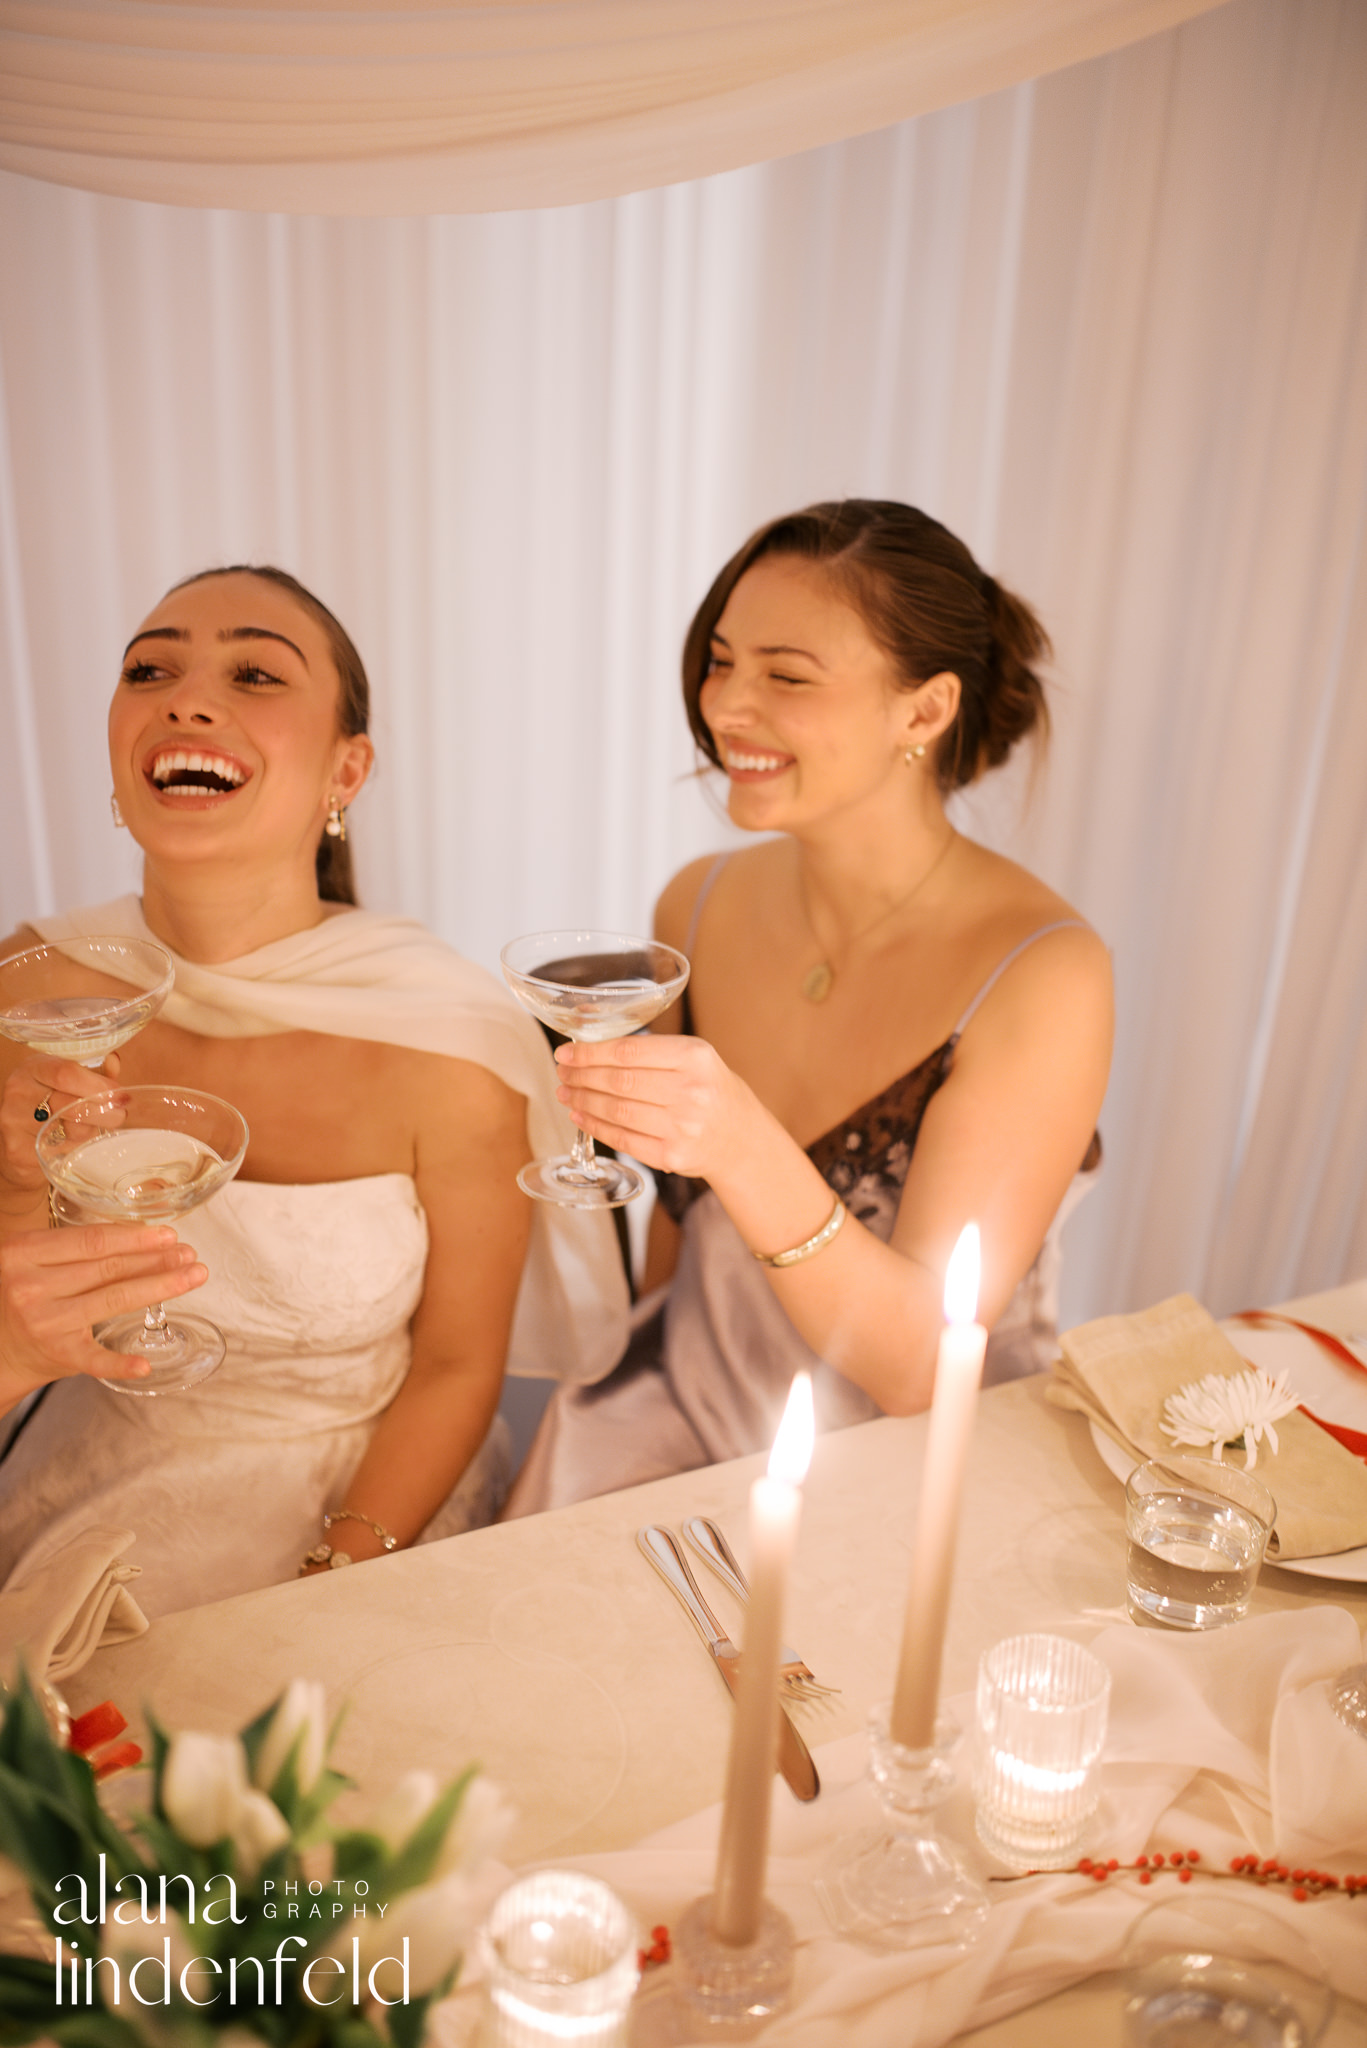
(1329, 1389)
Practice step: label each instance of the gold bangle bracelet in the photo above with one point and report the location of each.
(812, 1245)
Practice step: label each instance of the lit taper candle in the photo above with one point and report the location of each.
(775, 1511)
(958, 1374)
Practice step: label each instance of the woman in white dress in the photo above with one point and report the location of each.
(374, 1266)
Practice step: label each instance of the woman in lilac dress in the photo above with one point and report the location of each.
(890, 1030)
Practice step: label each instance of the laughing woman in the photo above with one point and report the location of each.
(374, 1266)
(890, 1030)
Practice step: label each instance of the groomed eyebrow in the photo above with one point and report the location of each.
(805, 653)
(228, 633)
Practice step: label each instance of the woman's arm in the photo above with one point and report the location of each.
(55, 1283)
(1000, 1141)
(471, 1140)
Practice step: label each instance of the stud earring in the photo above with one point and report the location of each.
(336, 823)
(115, 813)
(916, 753)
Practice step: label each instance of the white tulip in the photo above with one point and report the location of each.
(261, 1830)
(202, 1786)
(303, 1710)
(479, 1829)
(438, 1920)
(483, 1822)
(406, 1808)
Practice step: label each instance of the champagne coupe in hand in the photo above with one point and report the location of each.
(590, 986)
(80, 999)
(146, 1155)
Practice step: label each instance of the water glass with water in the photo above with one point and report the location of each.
(1226, 1970)
(1196, 1532)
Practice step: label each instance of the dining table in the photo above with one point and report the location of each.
(547, 1650)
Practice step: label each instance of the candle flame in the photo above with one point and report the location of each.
(962, 1277)
(792, 1452)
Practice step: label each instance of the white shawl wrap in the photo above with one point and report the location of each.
(359, 975)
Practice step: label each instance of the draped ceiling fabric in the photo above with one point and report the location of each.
(1111, 326)
(357, 109)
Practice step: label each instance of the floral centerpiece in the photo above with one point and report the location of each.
(228, 1904)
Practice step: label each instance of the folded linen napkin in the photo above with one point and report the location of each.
(56, 1613)
(1221, 1742)
(1120, 1370)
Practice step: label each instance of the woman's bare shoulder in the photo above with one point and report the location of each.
(1008, 894)
(745, 867)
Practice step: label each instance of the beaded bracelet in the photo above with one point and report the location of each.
(323, 1553)
(354, 1515)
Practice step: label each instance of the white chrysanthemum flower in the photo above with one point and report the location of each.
(1223, 1407)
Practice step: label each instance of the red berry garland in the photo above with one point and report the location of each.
(1305, 1884)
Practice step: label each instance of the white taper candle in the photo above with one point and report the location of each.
(958, 1374)
(775, 1511)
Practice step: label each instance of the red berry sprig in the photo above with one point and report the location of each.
(659, 1950)
(1305, 1884)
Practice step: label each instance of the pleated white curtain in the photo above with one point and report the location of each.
(1110, 326)
(416, 106)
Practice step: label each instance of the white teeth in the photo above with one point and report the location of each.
(753, 763)
(179, 761)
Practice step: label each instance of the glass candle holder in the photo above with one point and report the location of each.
(899, 1885)
(730, 1992)
(560, 1963)
(1042, 1705)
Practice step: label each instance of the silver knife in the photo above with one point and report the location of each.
(794, 1757)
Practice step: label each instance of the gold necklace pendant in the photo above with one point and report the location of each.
(818, 981)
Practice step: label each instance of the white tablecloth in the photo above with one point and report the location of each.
(550, 1651)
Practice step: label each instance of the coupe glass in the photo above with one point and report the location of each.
(590, 986)
(80, 999)
(146, 1155)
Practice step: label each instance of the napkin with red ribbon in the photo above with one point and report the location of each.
(1119, 1371)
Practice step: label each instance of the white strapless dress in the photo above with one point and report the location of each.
(314, 1288)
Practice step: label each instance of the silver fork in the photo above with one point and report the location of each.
(703, 1536)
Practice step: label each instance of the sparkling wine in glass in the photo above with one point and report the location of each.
(590, 986)
(80, 999)
(146, 1155)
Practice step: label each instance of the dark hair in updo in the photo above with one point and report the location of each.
(332, 862)
(927, 604)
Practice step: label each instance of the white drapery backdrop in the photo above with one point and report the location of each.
(416, 106)
(1109, 326)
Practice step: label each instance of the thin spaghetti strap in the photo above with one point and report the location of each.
(1062, 924)
(700, 899)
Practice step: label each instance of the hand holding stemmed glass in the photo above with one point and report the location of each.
(146, 1155)
(590, 986)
